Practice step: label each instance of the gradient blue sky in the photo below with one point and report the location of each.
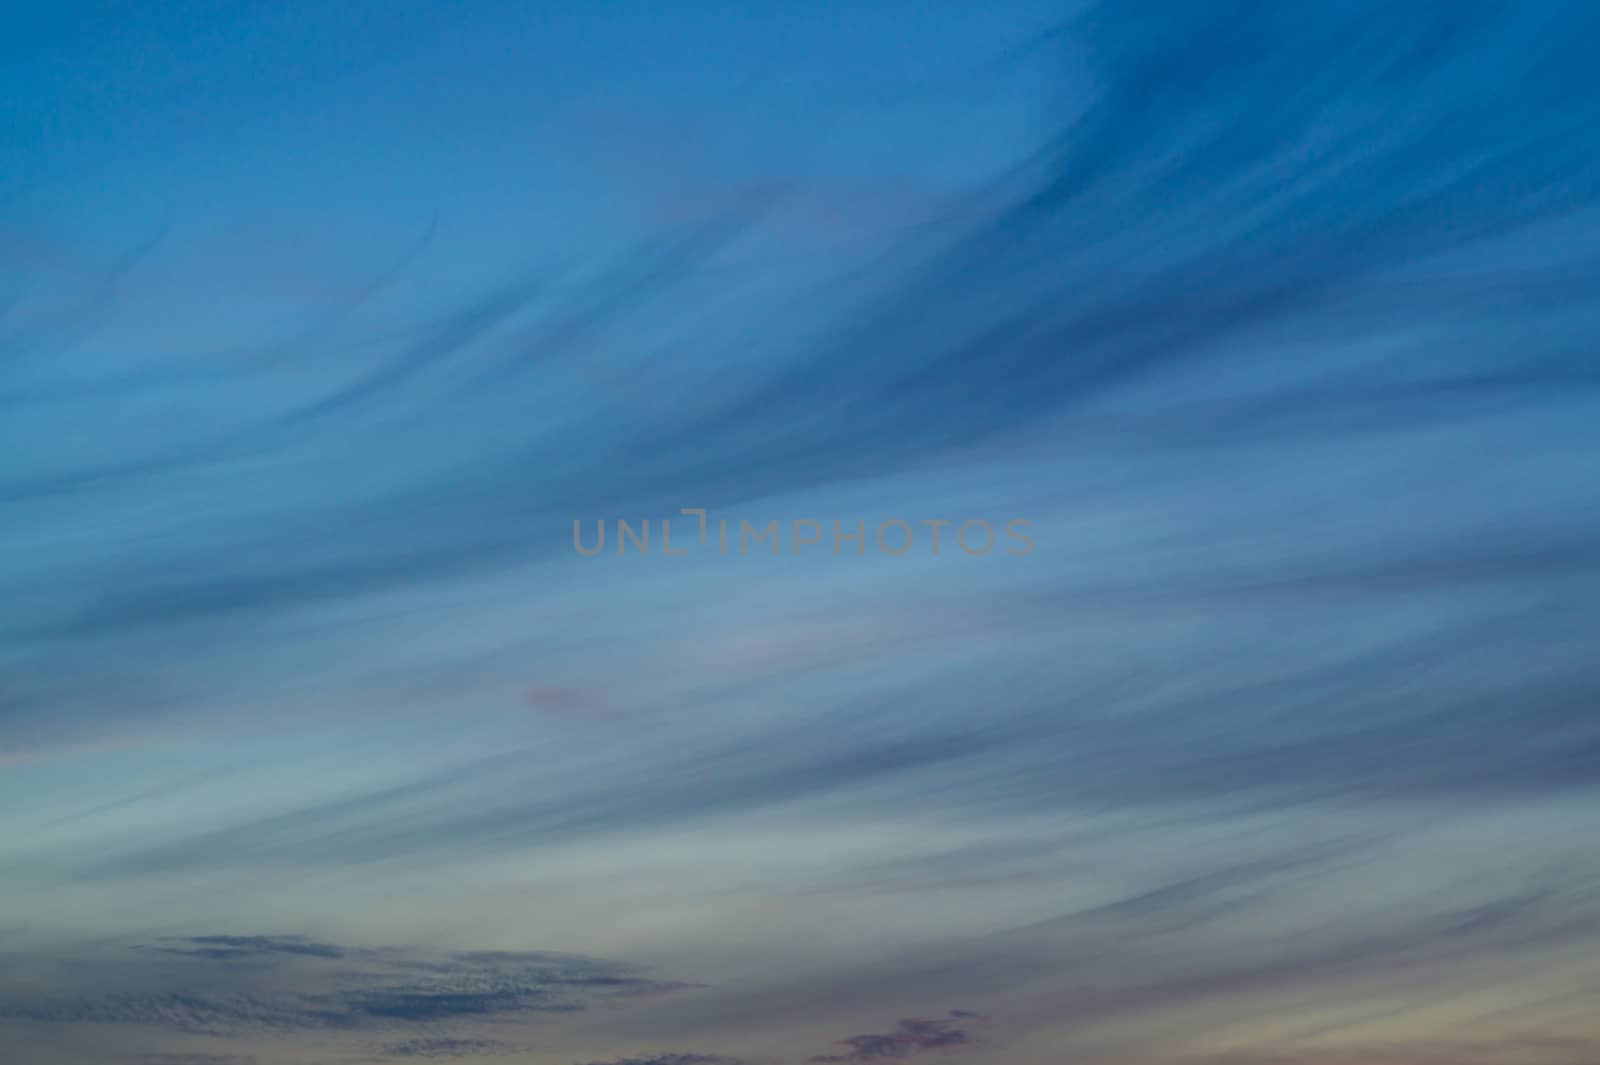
(321, 324)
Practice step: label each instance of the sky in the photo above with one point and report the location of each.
(710, 534)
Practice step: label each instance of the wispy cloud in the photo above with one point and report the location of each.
(1281, 336)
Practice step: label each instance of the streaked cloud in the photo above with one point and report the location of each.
(319, 330)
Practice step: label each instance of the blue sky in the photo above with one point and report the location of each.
(322, 326)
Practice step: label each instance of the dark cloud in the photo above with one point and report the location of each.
(223, 947)
(446, 1047)
(911, 1037)
(295, 984)
(672, 1059)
